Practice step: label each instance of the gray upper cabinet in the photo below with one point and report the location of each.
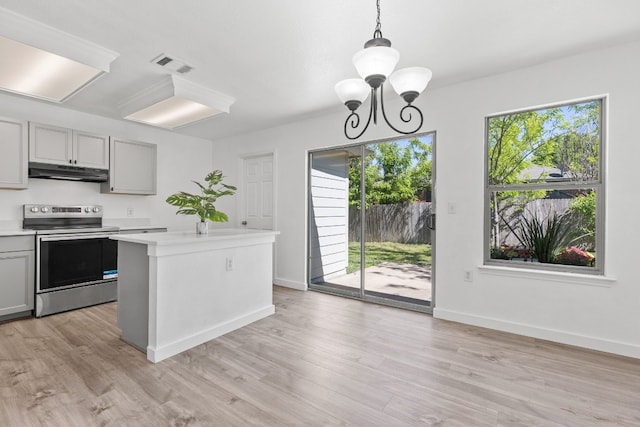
(14, 158)
(17, 265)
(132, 168)
(62, 146)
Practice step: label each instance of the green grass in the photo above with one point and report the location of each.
(379, 252)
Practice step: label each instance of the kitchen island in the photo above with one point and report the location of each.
(177, 290)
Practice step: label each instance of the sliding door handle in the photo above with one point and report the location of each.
(431, 221)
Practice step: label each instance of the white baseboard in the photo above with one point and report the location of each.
(594, 343)
(157, 354)
(290, 284)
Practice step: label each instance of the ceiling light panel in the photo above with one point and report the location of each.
(173, 112)
(175, 102)
(40, 61)
(33, 72)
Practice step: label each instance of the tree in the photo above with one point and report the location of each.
(395, 172)
(514, 141)
(576, 149)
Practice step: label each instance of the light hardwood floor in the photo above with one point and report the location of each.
(320, 360)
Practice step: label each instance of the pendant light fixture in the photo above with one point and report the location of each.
(375, 63)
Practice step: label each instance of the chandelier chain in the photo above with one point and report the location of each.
(378, 31)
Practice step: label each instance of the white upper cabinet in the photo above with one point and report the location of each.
(62, 146)
(13, 153)
(90, 150)
(132, 168)
(49, 144)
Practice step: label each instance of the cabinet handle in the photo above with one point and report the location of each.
(70, 161)
(75, 162)
(111, 188)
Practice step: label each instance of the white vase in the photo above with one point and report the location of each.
(202, 227)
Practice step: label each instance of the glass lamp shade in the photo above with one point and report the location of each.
(412, 79)
(377, 60)
(352, 90)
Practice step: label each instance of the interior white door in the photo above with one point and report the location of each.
(258, 192)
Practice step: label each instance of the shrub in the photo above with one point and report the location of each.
(583, 209)
(575, 256)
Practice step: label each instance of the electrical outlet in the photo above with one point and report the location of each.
(229, 264)
(468, 276)
(129, 211)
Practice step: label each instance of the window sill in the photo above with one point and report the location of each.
(553, 276)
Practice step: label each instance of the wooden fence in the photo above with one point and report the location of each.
(539, 208)
(407, 222)
(401, 223)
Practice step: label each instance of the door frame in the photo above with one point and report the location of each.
(360, 295)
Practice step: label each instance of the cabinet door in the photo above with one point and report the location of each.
(50, 144)
(90, 150)
(13, 146)
(17, 285)
(132, 168)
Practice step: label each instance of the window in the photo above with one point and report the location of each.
(544, 196)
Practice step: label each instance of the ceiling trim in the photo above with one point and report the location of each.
(172, 85)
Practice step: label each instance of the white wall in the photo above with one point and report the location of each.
(180, 160)
(600, 314)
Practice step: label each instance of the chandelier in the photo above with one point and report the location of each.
(375, 63)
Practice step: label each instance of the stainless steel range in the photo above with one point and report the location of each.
(76, 262)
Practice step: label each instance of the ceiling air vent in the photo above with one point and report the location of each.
(184, 69)
(172, 64)
(164, 61)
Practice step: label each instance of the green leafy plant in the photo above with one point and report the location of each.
(203, 204)
(544, 238)
(583, 208)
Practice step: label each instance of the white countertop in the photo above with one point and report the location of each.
(126, 224)
(13, 228)
(16, 232)
(140, 227)
(188, 237)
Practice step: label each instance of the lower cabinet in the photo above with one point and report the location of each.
(17, 265)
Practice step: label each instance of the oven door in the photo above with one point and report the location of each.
(68, 260)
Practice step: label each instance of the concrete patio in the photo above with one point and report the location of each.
(404, 280)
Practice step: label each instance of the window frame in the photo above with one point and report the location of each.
(598, 186)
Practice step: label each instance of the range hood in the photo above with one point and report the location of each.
(67, 173)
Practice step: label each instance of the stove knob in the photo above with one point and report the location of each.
(96, 209)
(34, 209)
(87, 209)
(44, 209)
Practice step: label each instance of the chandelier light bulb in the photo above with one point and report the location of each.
(376, 61)
(411, 80)
(352, 92)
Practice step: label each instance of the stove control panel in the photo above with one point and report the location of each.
(59, 211)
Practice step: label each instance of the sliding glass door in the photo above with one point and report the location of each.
(370, 220)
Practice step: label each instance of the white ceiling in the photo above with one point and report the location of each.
(281, 58)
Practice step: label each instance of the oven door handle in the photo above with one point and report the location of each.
(79, 236)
